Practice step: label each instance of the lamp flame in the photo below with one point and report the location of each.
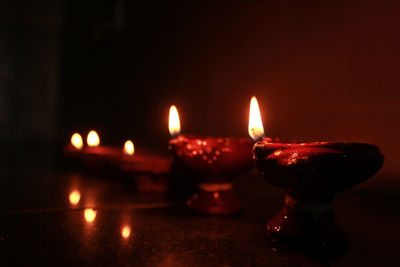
(90, 215)
(256, 128)
(174, 123)
(129, 148)
(76, 141)
(93, 139)
(74, 197)
(126, 231)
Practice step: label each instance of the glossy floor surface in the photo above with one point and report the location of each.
(112, 223)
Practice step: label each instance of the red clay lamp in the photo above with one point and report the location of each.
(100, 157)
(148, 170)
(311, 175)
(214, 162)
(96, 156)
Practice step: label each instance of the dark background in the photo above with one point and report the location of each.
(320, 69)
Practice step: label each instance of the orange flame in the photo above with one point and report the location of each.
(90, 215)
(256, 128)
(126, 231)
(74, 197)
(93, 139)
(76, 141)
(174, 123)
(129, 148)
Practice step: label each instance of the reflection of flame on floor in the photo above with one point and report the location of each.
(216, 195)
(126, 231)
(90, 215)
(74, 197)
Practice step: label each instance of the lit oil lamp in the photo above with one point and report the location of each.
(148, 170)
(143, 162)
(311, 174)
(102, 153)
(75, 147)
(214, 162)
(100, 158)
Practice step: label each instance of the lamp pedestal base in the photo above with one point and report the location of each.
(215, 198)
(309, 226)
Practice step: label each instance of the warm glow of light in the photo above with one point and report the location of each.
(74, 197)
(76, 141)
(129, 148)
(93, 139)
(126, 231)
(174, 123)
(256, 128)
(90, 215)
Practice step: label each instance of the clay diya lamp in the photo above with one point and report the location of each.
(311, 175)
(75, 147)
(93, 155)
(97, 157)
(214, 163)
(149, 171)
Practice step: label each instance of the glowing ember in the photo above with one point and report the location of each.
(129, 148)
(174, 123)
(74, 197)
(90, 215)
(76, 141)
(256, 128)
(93, 139)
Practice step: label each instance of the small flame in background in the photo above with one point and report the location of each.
(129, 148)
(93, 139)
(76, 141)
(90, 215)
(74, 197)
(256, 128)
(126, 231)
(174, 123)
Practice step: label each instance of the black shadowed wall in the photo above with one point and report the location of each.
(29, 70)
(320, 69)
